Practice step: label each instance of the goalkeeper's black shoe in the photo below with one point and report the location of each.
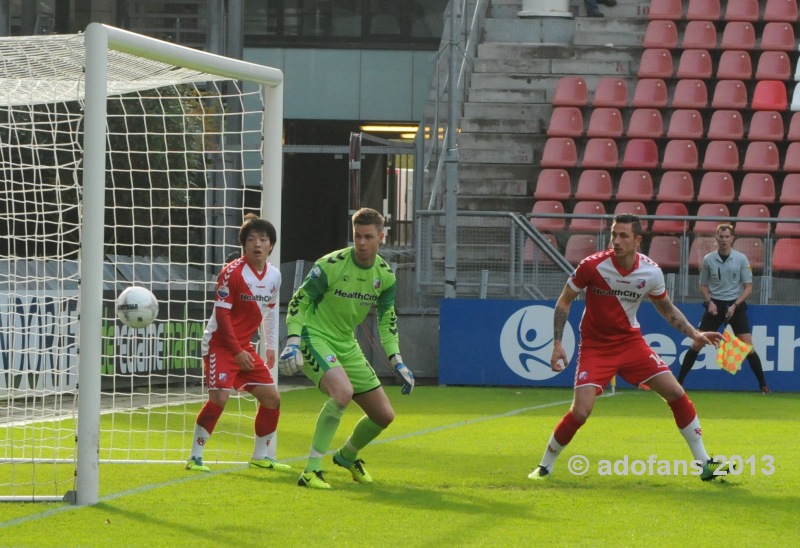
(540, 474)
(313, 479)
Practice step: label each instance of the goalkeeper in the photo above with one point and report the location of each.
(333, 300)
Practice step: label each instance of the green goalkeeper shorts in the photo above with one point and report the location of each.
(319, 355)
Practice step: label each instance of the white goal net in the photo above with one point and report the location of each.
(131, 164)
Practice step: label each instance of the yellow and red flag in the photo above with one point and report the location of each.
(732, 352)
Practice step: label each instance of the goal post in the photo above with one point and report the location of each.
(168, 236)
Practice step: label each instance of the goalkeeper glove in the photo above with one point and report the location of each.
(407, 376)
(290, 360)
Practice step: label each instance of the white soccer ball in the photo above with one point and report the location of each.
(137, 307)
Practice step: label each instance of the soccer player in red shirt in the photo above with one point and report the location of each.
(616, 281)
(246, 295)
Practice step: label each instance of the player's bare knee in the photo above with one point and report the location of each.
(384, 418)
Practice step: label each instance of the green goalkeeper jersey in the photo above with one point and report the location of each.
(338, 294)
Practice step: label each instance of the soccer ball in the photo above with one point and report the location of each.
(137, 307)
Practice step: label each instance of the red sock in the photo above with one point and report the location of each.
(266, 421)
(683, 410)
(567, 428)
(209, 415)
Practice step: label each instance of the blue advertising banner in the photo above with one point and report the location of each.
(509, 343)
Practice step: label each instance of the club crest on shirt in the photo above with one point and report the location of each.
(376, 283)
(330, 358)
(223, 292)
(314, 272)
(640, 283)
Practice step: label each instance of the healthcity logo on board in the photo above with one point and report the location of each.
(526, 342)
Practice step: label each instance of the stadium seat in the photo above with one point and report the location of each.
(635, 186)
(730, 94)
(650, 92)
(725, 124)
(795, 106)
(685, 124)
(646, 123)
(533, 254)
(636, 208)
(770, 95)
(788, 212)
(671, 10)
(694, 63)
(640, 154)
(716, 186)
(565, 122)
(655, 63)
(757, 188)
(680, 154)
(605, 122)
(773, 65)
(790, 189)
(778, 36)
(662, 225)
(781, 10)
(553, 184)
(600, 153)
(548, 224)
(690, 93)
(786, 256)
(742, 10)
(752, 228)
(611, 91)
(793, 133)
(700, 247)
(699, 35)
(589, 207)
(766, 125)
(580, 246)
(676, 186)
(754, 249)
(734, 65)
(571, 91)
(703, 10)
(559, 152)
(660, 34)
(594, 184)
(761, 156)
(666, 251)
(707, 225)
(791, 161)
(738, 35)
(721, 156)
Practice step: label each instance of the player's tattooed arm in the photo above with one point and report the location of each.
(674, 316)
(559, 321)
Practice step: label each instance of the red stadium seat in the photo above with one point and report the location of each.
(742, 10)
(752, 228)
(791, 161)
(655, 63)
(793, 133)
(786, 256)
(605, 122)
(716, 186)
(730, 94)
(571, 91)
(676, 186)
(662, 225)
(694, 63)
(786, 213)
(766, 125)
(734, 65)
(701, 246)
(548, 224)
(699, 35)
(635, 186)
(594, 184)
(726, 124)
(640, 154)
(565, 122)
(650, 92)
(754, 249)
(770, 95)
(705, 223)
(685, 124)
(533, 254)
(589, 207)
(703, 10)
(636, 208)
(795, 104)
(761, 156)
(790, 189)
(778, 36)
(611, 91)
(690, 93)
(781, 10)
(646, 123)
(666, 251)
(757, 188)
(600, 153)
(660, 34)
(665, 9)
(559, 152)
(721, 156)
(774, 65)
(738, 35)
(680, 154)
(553, 184)
(580, 246)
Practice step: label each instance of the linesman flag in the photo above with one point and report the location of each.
(732, 352)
